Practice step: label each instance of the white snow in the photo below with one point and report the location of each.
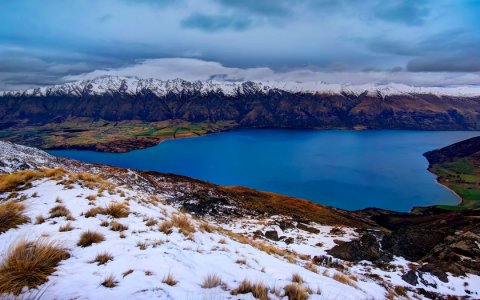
(188, 258)
(132, 85)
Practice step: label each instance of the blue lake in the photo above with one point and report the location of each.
(345, 169)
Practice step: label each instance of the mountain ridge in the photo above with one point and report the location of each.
(135, 85)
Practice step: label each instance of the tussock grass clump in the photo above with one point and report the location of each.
(258, 289)
(39, 219)
(205, 227)
(311, 267)
(142, 245)
(297, 278)
(344, 279)
(166, 227)
(182, 222)
(28, 264)
(66, 227)
(127, 272)
(110, 282)
(241, 261)
(91, 197)
(115, 226)
(169, 279)
(12, 181)
(92, 212)
(295, 291)
(116, 210)
(103, 258)
(90, 237)
(60, 211)
(151, 222)
(212, 281)
(12, 215)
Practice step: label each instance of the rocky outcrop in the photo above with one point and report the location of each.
(441, 241)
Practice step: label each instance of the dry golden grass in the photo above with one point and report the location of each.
(103, 258)
(66, 227)
(28, 264)
(344, 279)
(91, 197)
(212, 281)
(92, 212)
(151, 222)
(115, 210)
(295, 291)
(9, 182)
(258, 289)
(222, 241)
(104, 223)
(182, 222)
(60, 211)
(116, 226)
(12, 215)
(39, 219)
(142, 245)
(110, 282)
(127, 272)
(168, 279)
(90, 237)
(205, 227)
(311, 267)
(165, 227)
(297, 278)
(241, 261)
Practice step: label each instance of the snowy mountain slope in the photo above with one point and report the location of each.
(133, 86)
(146, 252)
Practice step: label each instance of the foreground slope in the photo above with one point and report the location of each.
(117, 114)
(171, 237)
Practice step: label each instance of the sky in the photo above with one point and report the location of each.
(417, 42)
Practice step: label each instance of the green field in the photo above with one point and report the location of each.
(85, 133)
(463, 177)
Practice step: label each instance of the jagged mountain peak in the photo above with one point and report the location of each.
(135, 85)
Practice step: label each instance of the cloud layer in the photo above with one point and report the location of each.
(42, 42)
(195, 69)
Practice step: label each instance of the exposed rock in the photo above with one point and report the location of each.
(337, 231)
(410, 277)
(307, 228)
(272, 235)
(365, 248)
(289, 240)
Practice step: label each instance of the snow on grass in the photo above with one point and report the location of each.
(134, 261)
(187, 254)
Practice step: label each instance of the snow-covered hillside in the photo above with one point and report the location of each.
(150, 249)
(133, 86)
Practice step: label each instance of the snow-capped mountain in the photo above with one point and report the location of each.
(133, 86)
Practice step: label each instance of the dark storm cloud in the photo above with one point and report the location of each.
(410, 12)
(58, 38)
(216, 22)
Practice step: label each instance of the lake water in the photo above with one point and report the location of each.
(345, 169)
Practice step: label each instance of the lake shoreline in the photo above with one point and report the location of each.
(304, 164)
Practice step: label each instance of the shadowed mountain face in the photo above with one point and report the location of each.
(251, 107)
